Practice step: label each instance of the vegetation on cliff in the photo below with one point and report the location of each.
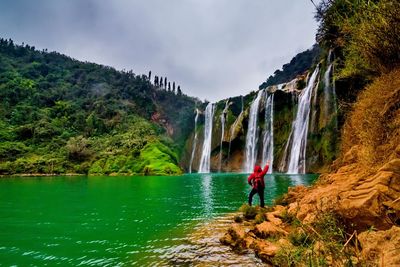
(365, 35)
(297, 66)
(351, 216)
(60, 115)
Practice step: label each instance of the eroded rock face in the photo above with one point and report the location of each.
(362, 200)
(381, 248)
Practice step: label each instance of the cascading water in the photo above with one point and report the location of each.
(330, 91)
(327, 94)
(194, 140)
(297, 157)
(268, 140)
(206, 152)
(313, 110)
(252, 134)
(222, 117)
(335, 108)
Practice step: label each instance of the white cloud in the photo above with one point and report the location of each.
(213, 48)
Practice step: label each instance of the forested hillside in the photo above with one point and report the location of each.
(60, 115)
(298, 65)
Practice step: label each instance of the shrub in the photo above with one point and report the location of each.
(281, 200)
(260, 217)
(249, 212)
(300, 238)
(238, 219)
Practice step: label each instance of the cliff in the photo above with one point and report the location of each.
(351, 216)
(228, 151)
(342, 219)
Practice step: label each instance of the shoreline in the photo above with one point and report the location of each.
(77, 174)
(27, 175)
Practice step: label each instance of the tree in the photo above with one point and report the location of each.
(149, 75)
(173, 86)
(161, 82)
(156, 80)
(169, 86)
(366, 33)
(179, 90)
(165, 82)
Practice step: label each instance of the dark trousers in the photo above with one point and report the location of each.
(260, 192)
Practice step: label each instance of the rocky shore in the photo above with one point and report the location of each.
(350, 217)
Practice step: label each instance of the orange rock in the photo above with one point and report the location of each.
(381, 248)
(265, 250)
(271, 218)
(268, 229)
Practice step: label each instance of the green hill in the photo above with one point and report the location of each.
(60, 115)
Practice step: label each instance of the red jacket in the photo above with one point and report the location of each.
(256, 179)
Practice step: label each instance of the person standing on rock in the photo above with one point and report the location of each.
(256, 180)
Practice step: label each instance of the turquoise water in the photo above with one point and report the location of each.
(115, 221)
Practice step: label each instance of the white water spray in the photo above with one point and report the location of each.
(252, 134)
(194, 140)
(268, 140)
(297, 157)
(206, 153)
(330, 91)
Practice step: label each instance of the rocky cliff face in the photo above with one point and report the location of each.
(352, 215)
(322, 145)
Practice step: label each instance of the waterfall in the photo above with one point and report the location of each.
(297, 157)
(268, 140)
(222, 117)
(327, 94)
(313, 111)
(194, 140)
(252, 134)
(206, 153)
(330, 91)
(335, 108)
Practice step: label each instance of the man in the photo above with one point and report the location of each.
(256, 180)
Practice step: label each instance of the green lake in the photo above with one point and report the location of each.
(116, 221)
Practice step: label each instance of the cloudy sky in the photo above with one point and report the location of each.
(212, 48)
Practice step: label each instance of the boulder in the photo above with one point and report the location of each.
(271, 218)
(265, 250)
(363, 206)
(268, 229)
(237, 238)
(279, 211)
(381, 248)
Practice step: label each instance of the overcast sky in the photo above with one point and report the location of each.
(212, 48)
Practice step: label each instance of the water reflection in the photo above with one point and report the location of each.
(297, 179)
(206, 188)
(124, 220)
